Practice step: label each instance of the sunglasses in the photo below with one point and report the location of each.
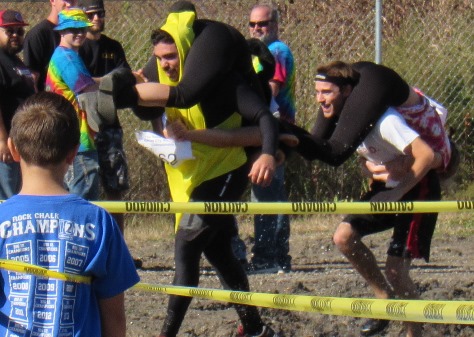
(75, 31)
(19, 31)
(260, 24)
(100, 14)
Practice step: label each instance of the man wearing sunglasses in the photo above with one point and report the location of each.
(41, 41)
(272, 232)
(16, 84)
(101, 55)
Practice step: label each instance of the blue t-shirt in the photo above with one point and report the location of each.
(284, 74)
(66, 234)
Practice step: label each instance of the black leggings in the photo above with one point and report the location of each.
(210, 234)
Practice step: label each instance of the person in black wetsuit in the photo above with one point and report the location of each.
(215, 87)
(334, 140)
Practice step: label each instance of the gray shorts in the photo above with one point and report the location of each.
(112, 161)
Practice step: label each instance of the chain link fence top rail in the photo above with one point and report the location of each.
(430, 43)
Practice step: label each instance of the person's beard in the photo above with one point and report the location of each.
(13, 50)
(268, 38)
(97, 29)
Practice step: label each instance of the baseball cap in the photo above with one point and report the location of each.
(11, 18)
(72, 18)
(91, 5)
(182, 6)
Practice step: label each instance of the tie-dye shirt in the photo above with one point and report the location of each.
(285, 75)
(68, 76)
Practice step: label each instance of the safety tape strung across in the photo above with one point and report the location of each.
(446, 312)
(26, 268)
(304, 207)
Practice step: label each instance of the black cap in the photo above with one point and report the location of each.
(91, 5)
(11, 18)
(182, 6)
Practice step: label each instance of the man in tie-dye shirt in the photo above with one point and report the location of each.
(272, 232)
(68, 76)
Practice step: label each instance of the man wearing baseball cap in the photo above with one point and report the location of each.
(68, 76)
(16, 84)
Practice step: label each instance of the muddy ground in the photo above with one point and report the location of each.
(318, 269)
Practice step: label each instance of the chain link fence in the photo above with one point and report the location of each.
(429, 42)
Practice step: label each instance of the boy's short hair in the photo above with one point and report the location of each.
(45, 128)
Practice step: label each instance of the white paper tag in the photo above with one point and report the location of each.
(168, 150)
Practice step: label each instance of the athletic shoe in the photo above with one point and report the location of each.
(284, 269)
(138, 263)
(284, 263)
(373, 326)
(266, 332)
(116, 91)
(106, 103)
(88, 102)
(262, 268)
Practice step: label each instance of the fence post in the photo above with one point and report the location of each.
(378, 31)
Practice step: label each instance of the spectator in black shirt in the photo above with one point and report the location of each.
(42, 40)
(16, 84)
(101, 55)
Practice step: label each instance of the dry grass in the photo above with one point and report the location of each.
(159, 227)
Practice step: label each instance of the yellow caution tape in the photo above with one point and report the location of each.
(303, 207)
(446, 312)
(26, 268)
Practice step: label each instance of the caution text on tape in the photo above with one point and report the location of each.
(304, 207)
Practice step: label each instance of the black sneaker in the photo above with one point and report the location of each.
(373, 326)
(138, 263)
(284, 269)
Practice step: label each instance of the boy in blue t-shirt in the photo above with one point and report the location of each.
(46, 226)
